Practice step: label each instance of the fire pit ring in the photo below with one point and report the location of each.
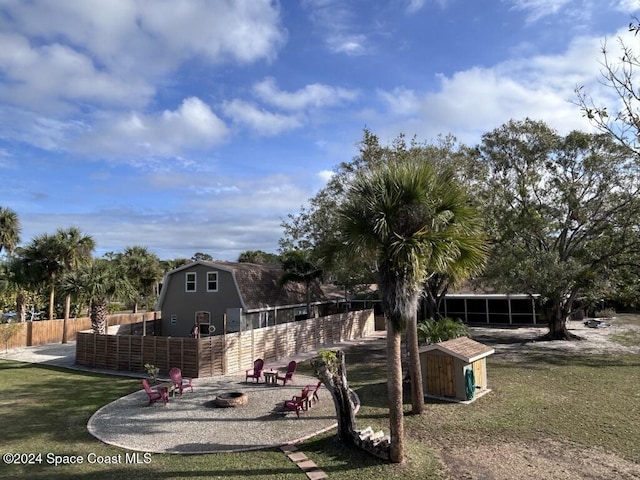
(231, 399)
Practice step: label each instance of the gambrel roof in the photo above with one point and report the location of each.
(259, 285)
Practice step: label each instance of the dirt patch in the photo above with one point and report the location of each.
(545, 459)
(516, 342)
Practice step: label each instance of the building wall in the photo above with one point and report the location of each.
(180, 306)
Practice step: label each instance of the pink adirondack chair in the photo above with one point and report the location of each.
(155, 395)
(178, 381)
(288, 376)
(298, 402)
(256, 371)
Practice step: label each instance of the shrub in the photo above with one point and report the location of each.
(606, 313)
(435, 331)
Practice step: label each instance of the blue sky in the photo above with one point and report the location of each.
(196, 126)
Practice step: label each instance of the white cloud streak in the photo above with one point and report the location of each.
(259, 120)
(315, 95)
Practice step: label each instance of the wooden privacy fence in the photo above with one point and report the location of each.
(220, 354)
(42, 332)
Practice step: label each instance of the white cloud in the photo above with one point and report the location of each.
(259, 120)
(414, 6)
(44, 78)
(337, 23)
(314, 95)
(138, 35)
(325, 175)
(628, 6)
(538, 9)
(56, 55)
(193, 126)
(401, 101)
(471, 102)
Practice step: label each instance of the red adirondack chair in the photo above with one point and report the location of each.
(155, 395)
(314, 397)
(298, 402)
(288, 377)
(256, 371)
(178, 381)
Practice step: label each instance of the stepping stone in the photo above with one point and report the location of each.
(316, 475)
(297, 457)
(307, 465)
(288, 448)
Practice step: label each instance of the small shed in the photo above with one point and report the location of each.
(455, 370)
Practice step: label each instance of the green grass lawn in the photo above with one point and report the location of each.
(583, 400)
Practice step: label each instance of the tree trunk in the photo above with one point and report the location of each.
(556, 318)
(336, 383)
(415, 372)
(52, 300)
(21, 306)
(99, 317)
(65, 321)
(394, 394)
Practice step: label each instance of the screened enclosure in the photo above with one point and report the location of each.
(505, 309)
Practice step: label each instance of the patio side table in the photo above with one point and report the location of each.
(270, 377)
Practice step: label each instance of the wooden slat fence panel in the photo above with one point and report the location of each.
(232, 352)
(219, 354)
(270, 344)
(42, 332)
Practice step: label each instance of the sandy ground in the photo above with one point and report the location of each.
(546, 459)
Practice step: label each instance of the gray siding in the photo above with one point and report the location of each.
(183, 305)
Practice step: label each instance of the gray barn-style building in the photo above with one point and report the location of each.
(227, 297)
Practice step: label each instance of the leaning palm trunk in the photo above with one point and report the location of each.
(98, 316)
(336, 382)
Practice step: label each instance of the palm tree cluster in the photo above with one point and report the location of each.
(62, 263)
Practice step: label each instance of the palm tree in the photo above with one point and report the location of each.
(19, 279)
(9, 229)
(98, 283)
(403, 213)
(53, 255)
(142, 268)
(43, 254)
(75, 250)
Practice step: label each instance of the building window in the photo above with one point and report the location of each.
(190, 282)
(212, 281)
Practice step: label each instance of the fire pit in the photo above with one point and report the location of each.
(231, 399)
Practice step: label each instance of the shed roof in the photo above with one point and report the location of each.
(463, 348)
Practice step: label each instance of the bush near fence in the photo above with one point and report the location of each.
(42, 332)
(220, 354)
